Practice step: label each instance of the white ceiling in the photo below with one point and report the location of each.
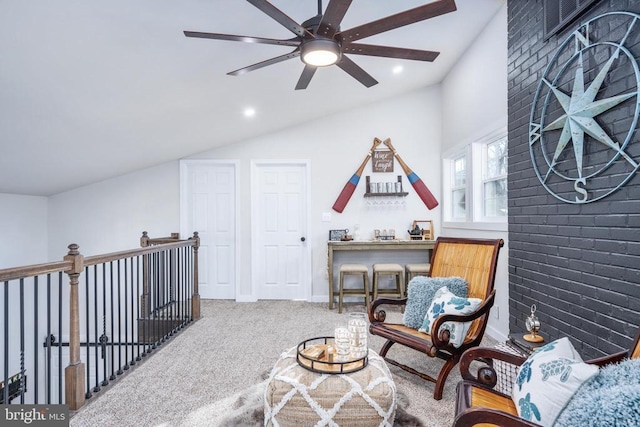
(94, 89)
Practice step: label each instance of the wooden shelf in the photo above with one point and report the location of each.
(403, 194)
(369, 193)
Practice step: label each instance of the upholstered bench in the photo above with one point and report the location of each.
(296, 397)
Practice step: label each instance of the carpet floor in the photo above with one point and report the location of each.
(216, 368)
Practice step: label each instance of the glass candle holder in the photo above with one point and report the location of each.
(342, 340)
(357, 334)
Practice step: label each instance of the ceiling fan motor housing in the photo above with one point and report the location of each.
(320, 52)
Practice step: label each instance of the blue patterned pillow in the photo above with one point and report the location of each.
(446, 302)
(547, 381)
(420, 294)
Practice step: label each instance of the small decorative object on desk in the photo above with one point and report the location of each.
(421, 233)
(358, 334)
(533, 326)
(338, 234)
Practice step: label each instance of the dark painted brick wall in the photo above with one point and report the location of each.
(580, 263)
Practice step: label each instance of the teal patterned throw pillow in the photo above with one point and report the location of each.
(446, 302)
(420, 294)
(547, 381)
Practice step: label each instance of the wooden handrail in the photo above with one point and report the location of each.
(66, 265)
(114, 256)
(34, 270)
(73, 265)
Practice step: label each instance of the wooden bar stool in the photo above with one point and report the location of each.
(388, 270)
(358, 270)
(413, 270)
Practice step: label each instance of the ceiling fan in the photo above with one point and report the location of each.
(319, 42)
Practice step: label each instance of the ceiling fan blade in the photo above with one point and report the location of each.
(390, 52)
(398, 20)
(356, 72)
(305, 77)
(330, 22)
(281, 18)
(263, 64)
(290, 42)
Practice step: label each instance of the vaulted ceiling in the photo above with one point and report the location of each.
(90, 90)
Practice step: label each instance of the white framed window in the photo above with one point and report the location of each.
(458, 199)
(475, 183)
(494, 179)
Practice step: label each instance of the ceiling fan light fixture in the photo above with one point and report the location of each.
(320, 52)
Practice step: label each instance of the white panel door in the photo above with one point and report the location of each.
(282, 258)
(209, 199)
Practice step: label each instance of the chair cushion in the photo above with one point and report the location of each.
(420, 294)
(547, 381)
(354, 268)
(387, 268)
(480, 397)
(471, 396)
(446, 302)
(417, 268)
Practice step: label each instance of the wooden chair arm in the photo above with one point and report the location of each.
(440, 339)
(486, 375)
(611, 358)
(381, 315)
(473, 416)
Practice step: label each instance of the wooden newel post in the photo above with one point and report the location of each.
(74, 374)
(195, 299)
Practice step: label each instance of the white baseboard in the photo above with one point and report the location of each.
(246, 298)
(496, 334)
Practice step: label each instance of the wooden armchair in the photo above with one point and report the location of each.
(479, 405)
(472, 259)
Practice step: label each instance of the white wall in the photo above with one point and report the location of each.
(111, 215)
(335, 147)
(474, 104)
(471, 102)
(23, 230)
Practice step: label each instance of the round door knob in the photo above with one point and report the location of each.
(302, 239)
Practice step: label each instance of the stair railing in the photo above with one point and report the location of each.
(119, 307)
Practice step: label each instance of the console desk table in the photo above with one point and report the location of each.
(371, 245)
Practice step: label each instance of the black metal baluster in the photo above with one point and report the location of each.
(60, 395)
(96, 388)
(145, 307)
(22, 370)
(5, 391)
(133, 319)
(172, 289)
(120, 372)
(126, 319)
(113, 334)
(180, 274)
(139, 339)
(154, 291)
(88, 393)
(189, 286)
(35, 339)
(104, 339)
(48, 341)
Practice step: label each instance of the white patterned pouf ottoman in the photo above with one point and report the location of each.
(297, 397)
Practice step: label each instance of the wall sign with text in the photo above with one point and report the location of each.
(382, 161)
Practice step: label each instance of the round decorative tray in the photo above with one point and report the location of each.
(315, 355)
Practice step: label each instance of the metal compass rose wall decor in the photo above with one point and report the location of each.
(585, 111)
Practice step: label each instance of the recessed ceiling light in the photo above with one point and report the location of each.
(397, 69)
(249, 112)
